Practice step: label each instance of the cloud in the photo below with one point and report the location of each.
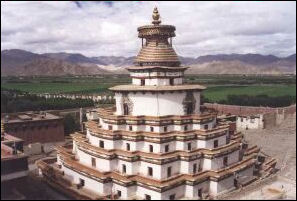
(110, 28)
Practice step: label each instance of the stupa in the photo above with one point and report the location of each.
(157, 142)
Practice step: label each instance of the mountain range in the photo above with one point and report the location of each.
(24, 63)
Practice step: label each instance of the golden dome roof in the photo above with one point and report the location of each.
(157, 48)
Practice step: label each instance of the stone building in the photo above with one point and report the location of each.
(249, 122)
(157, 142)
(34, 127)
(14, 163)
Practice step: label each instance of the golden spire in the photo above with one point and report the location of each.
(156, 17)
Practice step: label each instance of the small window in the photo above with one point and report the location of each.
(235, 183)
(148, 197)
(189, 108)
(151, 148)
(152, 129)
(142, 82)
(195, 168)
(165, 128)
(200, 192)
(119, 194)
(169, 172)
(124, 168)
(172, 197)
(93, 162)
(241, 119)
(81, 183)
(167, 148)
(128, 146)
(225, 161)
(189, 146)
(206, 127)
(215, 143)
(130, 128)
(186, 128)
(101, 144)
(150, 171)
(126, 109)
(109, 127)
(200, 167)
(171, 81)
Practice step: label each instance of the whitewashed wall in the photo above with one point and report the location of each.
(158, 129)
(156, 104)
(157, 148)
(244, 123)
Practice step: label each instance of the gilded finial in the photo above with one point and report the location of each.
(156, 17)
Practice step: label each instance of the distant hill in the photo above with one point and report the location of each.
(25, 63)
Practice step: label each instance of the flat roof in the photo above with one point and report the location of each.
(157, 88)
(27, 116)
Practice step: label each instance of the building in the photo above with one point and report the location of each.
(157, 142)
(250, 122)
(14, 163)
(34, 127)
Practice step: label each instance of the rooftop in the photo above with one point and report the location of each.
(157, 88)
(27, 116)
(6, 149)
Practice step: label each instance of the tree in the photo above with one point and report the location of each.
(70, 125)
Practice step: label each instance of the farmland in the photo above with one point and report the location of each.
(219, 86)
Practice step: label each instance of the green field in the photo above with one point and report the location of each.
(218, 93)
(75, 87)
(219, 86)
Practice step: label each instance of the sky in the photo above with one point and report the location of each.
(110, 28)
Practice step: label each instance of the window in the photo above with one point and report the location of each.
(186, 128)
(189, 108)
(109, 127)
(93, 162)
(128, 146)
(130, 128)
(206, 127)
(169, 171)
(194, 168)
(126, 109)
(215, 143)
(148, 197)
(225, 161)
(172, 197)
(142, 82)
(101, 144)
(200, 167)
(165, 128)
(235, 183)
(151, 148)
(189, 146)
(119, 194)
(167, 148)
(81, 183)
(171, 81)
(150, 171)
(200, 192)
(241, 119)
(152, 129)
(124, 169)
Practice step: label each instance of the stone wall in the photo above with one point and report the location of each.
(271, 116)
(249, 110)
